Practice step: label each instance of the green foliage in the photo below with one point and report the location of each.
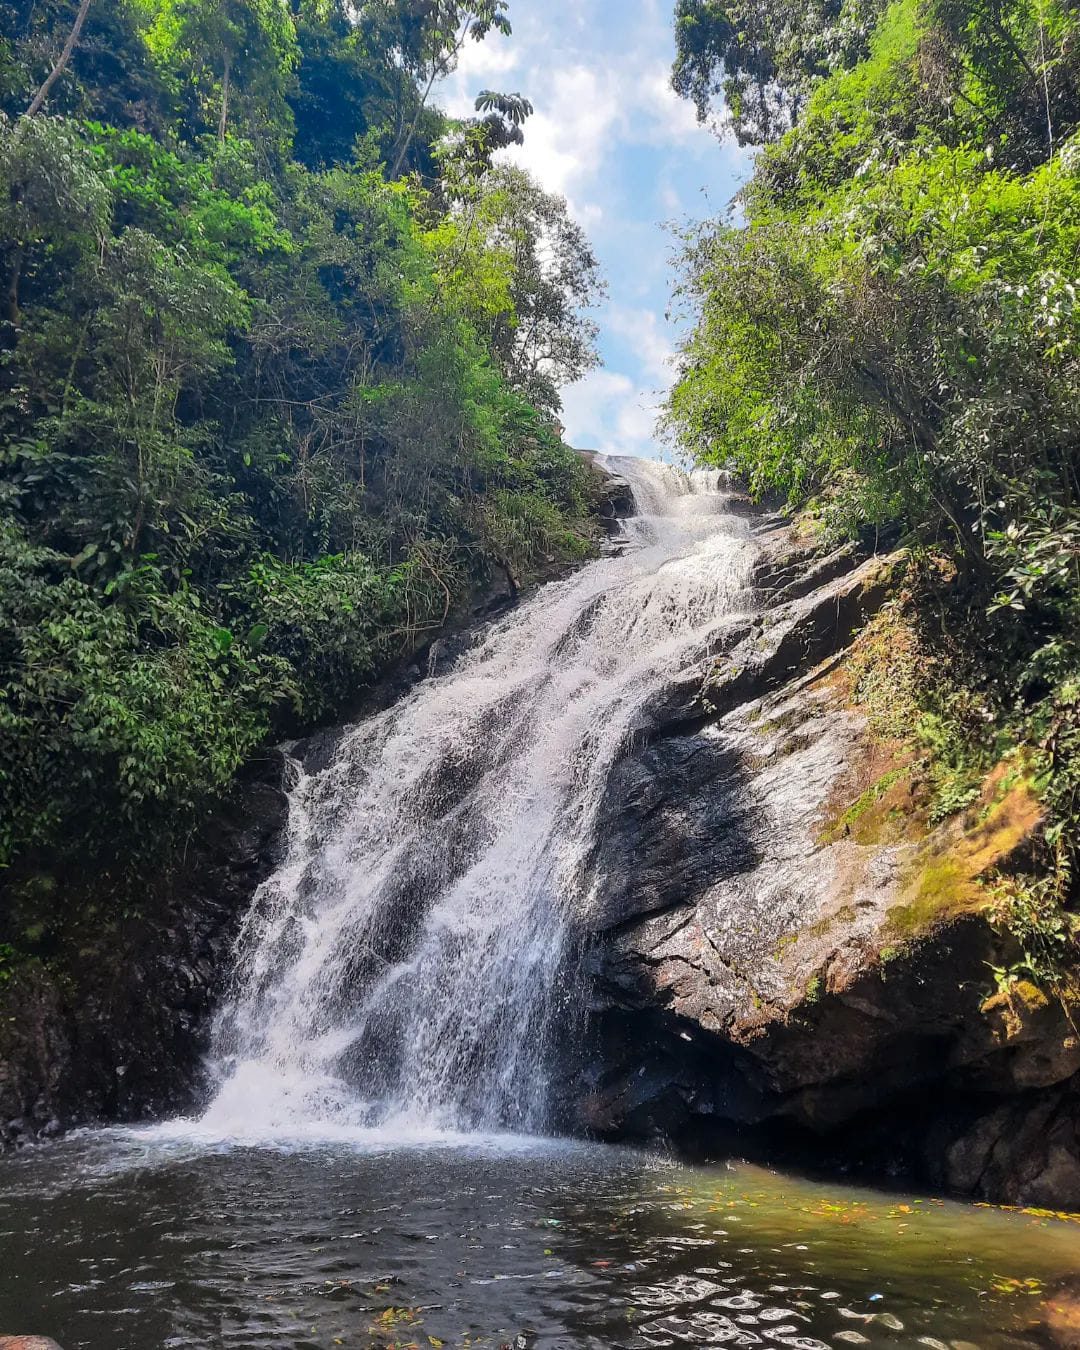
(1031, 912)
(526, 275)
(954, 765)
(330, 620)
(233, 56)
(279, 357)
(910, 676)
(125, 707)
(762, 57)
(891, 331)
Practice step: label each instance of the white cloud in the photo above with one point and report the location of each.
(607, 411)
(644, 331)
(670, 199)
(496, 55)
(611, 136)
(667, 116)
(570, 132)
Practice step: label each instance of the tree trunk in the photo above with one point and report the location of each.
(12, 307)
(65, 56)
(400, 158)
(223, 123)
(440, 66)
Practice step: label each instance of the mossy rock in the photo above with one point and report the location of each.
(945, 879)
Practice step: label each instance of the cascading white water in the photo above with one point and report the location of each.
(409, 960)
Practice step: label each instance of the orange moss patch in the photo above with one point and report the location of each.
(946, 876)
(1015, 1006)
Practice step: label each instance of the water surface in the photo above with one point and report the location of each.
(135, 1240)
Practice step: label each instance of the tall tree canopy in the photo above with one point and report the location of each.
(280, 364)
(753, 63)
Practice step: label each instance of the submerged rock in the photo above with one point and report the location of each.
(1061, 1315)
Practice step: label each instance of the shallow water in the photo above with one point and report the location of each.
(135, 1239)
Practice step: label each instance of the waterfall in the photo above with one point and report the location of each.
(411, 962)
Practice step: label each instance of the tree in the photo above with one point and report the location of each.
(346, 87)
(501, 126)
(261, 405)
(1017, 58)
(761, 58)
(38, 101)
(555, 281)
(541, 334)
(233, 49)
(53, 193)
(434, 45)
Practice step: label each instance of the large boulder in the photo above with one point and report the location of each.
(786, 958)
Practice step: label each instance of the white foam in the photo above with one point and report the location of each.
(401, 977)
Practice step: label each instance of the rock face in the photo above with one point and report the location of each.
(767, 978)
(614, 495)
(113, 1024)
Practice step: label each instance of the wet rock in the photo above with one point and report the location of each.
(1022, 1151)
(1045, 1047)
(764, 984)
(614, 497)
(500, 593)
(113, 1024)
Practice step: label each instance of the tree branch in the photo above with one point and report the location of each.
(61, 64)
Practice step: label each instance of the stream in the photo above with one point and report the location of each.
(130, 1240)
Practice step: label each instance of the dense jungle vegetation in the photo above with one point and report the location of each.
(278, 387)
(886, 332)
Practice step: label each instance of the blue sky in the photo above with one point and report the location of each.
(611, 136)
